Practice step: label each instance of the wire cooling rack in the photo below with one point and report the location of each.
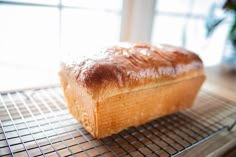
(37, 123)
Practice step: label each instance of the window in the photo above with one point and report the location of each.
(182, 23)
(33, 33)
(92, 29)
(29, 35)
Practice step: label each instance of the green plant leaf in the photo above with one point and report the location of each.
(232, 29)
(230, 5)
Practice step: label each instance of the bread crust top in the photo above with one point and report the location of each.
(128, 65)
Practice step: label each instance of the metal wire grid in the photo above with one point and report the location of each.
(37, 123)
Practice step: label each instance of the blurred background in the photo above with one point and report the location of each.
(35, 34)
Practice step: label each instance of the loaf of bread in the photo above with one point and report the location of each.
(130, 84)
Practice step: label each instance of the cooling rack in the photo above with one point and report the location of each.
(37, 123)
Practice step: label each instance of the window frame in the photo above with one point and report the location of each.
(137, 20)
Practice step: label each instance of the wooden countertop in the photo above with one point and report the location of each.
(222, 82)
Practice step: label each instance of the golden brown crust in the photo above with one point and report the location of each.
(128, 85)
(131, 65)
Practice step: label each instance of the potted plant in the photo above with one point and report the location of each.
(214, 20)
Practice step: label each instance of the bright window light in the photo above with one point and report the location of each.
(183, 23)
(35, 34)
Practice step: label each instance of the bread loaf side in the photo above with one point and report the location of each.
(130, 84)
